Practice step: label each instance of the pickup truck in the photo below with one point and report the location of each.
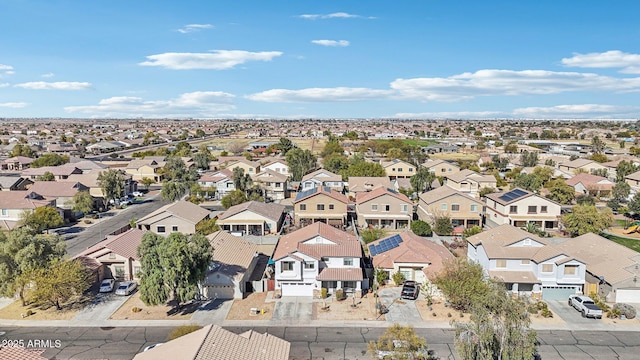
(410, 290)
(586, 306)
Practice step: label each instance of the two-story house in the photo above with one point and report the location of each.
(384, 208)
(462, 209)
(519, 207)
(249, 167)
(180, 216)
(398, 168)
(320, 204)
(274, 184)
(580, 164)
(470, 182)
(17, 163)
(221, 181)
(280, 166)
(363, 184)
(441, 167)
(148, 167)
(634, 181)
(14, 203)
(526, 263)
(322, 177)
(315, 257)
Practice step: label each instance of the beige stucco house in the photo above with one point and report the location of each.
(470, 182)
(398, 168)
(249, 167)
(363, 184)
(441, 167)
(274, 184)
(252, 217)
(320, 204)
(384, 208)
(180, 216)
(577, 165)
(519, 207)
(149, 167)
(462, 209)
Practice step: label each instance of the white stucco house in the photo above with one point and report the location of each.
(526, 263)
(315, 257)
(519, 207)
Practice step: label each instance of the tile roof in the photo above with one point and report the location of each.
(325, 175)
(321, 190)
(57, 188)
(19, 159)
(269, 176)
(182, 209)
(340, 274)
(20, 199)
(345, 243)
(580, 162)
(367, 183)
(367, 196)
(21, 353)
(125, 244)
(413, 249)
(511, 276)
(215, 343)
(590, 181)
(62, 170)
(270, 211)
(232, 250)
(444, 192)
(500, 199)
(633, 176)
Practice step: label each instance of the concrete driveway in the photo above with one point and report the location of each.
(401, 311)
(101, 308)
(293, 309)
(570, 315)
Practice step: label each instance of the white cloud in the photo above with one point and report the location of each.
(341, 15)
(578, 111)
(6, 70)
(194, 104)
(341, 43)
(3, 85)
(508, 83)
(339, 94)
(61, 85)
(630, 63)
(13, 105)
(48, 75)
(215, 60)
(194, 27)
(455, 115)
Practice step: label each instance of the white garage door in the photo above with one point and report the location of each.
(219, 292)
(557, 292)
(628, 296)
(297, 289)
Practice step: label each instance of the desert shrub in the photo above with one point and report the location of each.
(600, 302)
(136, 309)
(613, 313)
(541, 305)
(546, 313)
(420, 228)
(87, 221)
(434, 314)
(625, 309)
(381, 276)
(532, 309)
(182, 330)
(340, 294)
(449, 315)
(29, 312)
(323, 293)
(370, 235)
(398, 278)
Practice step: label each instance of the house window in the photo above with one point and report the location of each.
(374, 207)
(303, 207)
(387, 208)
(278, 185)
(5, 212)
(309, 265)
(161, 229)
(331, 207)
(174, 228)
(410, 169)
(474, 208)
(268, 184)
(513, 209)
(119, 271)
(404, 208)
(250, 170)
(455, 207)
(324, 258)
(347, 262)
(443, 207)
(136, 271)
(501, 263)
(547, 268)
(348, 284)
(443, 170)
(287, 266)
(571, 269)
(399, 169)
(532, 209)
(320, 207)
(229, 185)
(393, 169)
(543, 209)
(525, 262)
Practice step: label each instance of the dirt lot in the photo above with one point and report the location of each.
(365, 309)
(622, 232)
(241, 309)
(315, 145)
(159, 312)
(15, 310)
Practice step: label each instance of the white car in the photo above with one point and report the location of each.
(126, 288)
(137, 194)
(107, 285)
(151, 347)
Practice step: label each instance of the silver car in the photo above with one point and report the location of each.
(126, 288)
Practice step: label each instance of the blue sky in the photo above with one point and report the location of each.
(542, 59)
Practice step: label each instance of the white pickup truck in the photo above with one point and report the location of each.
(586, 306)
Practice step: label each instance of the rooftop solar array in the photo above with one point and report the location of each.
(385, 245)
(306, 193)
(512, 195)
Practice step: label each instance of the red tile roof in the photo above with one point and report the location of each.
(364, 197)
(340, 274)
(125, 244)
(345, 243)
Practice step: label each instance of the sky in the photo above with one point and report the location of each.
(325, 59)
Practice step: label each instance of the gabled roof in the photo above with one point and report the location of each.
(510, 196)
(325, 175)
(182, 209)
(138, 163)
(346, 244)
(444, 192)
(19, 159)
(590, 181)
(269, 175)
(367, 183)
(321, 190)
(386, 164)
(412, 249)
(26, 199)
(435, 162)
(232, 253)
(270, 211)
(363, 197)
(577, 163)
(6, 182)
(57, 188)
(633, 176)
(471, 175)
(217, 176)
(62, 170)
(215, 343)
(125, 245)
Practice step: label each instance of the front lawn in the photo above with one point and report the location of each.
(630, 243)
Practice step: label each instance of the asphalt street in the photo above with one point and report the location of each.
(81, 238)
(317, 343)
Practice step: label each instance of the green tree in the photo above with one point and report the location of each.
(336, 163)
(560, 192)
(22, 252)
(529, 159)
(422, 180)
(529, 182)
(175, 169)
(42, 218)
(620, 191)
(146, 182)
(585, 199)
(399, 342)
(587, 218)
(623, 169)
(364, 169)
(599, 157)
(511, 148)
(172, 266)
(284, 145)
(173, 190)
(486, 191)
(241, 181)
(420, 228)
(111, 183)
(207, 226)
(47, 176)
(50, 160)
(22, 150)
(474, 230)
(300, 163)
(442, 225)
(597, 145)
(235, 197)
(201, 160)
(499, 328)
(82, 202)
(634, 204)
(60, 281)
(462, 283)
(373, 234)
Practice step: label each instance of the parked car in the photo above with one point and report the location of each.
(125, 201)
(126, 288)
(107, 285)
(137, 194)
(151, 347)
(586, 306)
(410, 290)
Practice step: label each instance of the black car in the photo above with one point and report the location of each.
(410, 290)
